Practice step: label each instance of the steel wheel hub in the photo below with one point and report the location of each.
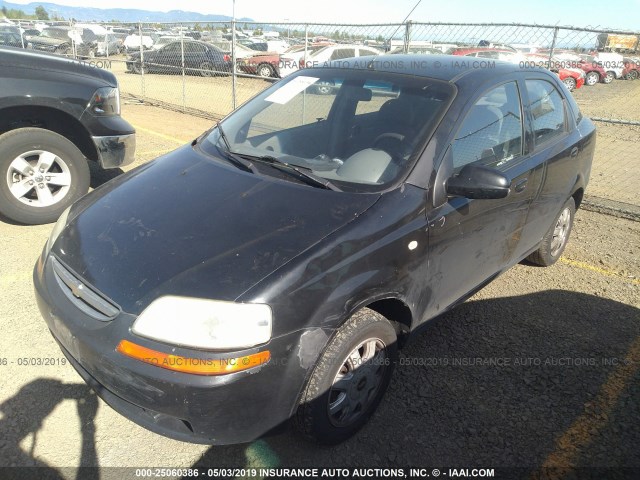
(560, 232)
(357, 382)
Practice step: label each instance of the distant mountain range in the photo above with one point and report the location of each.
(119, 14)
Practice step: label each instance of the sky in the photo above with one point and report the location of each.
(613, 14)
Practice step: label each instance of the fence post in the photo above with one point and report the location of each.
(306, 44)
(407, 37)
(184, 80)
(553, 44)
(233, 59)
(141, 59)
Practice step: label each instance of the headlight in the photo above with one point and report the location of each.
(57, 229)
(206, 324)
(105, 102)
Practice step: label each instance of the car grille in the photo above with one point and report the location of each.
(82, 296)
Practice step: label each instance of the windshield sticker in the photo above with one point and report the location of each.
(291, 89)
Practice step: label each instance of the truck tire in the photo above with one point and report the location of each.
(41, 174)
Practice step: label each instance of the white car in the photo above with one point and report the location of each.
(611, 62)
(132, 42)
(328, 54)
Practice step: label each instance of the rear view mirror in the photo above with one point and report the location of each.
(478, 182)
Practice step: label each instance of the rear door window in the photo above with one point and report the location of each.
(547, 109)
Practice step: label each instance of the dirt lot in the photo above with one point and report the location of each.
(541, 368)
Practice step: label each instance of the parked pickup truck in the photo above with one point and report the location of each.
(55, 115)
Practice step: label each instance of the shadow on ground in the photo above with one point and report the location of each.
(549, 378)
(23, 416)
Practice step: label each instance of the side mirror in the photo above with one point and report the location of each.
(478, 182)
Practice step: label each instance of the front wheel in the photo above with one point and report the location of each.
(265, 70)
(608, 78)
(632, 75)
(41, 174)
(349, 380)
(324, 87)
(555, 241)
(592, 78)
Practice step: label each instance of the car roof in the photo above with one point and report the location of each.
(448, 68)
(465, 50)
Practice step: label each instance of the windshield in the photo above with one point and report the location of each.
(55, 33)
(359, 129)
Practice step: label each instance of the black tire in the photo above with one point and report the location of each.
(63, 50)
(548, 253)
(632, 75)
(136, 67)
(592, 78)
(324, 87)
(608, 78)
(206, 69)
(265, 70)
(570, 82)
(68, 166)
(364, 330)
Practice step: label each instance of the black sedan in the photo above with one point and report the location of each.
(271, 269)
(197, 58)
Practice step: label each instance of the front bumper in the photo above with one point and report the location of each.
(213, 410)
(115, 151)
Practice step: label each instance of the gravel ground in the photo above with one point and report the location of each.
(539, 369)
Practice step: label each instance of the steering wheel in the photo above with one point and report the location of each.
(395, 136)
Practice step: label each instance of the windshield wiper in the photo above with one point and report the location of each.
(238, 161)
(308, 176)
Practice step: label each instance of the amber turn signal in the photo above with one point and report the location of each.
(196, 366)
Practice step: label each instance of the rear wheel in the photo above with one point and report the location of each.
(592, 78)
(608, 78)
(206, 69)
(41, 174)
(555, 241)
(349, 380)
(138, 68)
(570, 83)
(632, 75)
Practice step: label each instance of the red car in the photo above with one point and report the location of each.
(631, 68)
(592, 68)
(572, 77)
(265, 64)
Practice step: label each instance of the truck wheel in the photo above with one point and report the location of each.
(556, 239)
(41, 174)
(349, 380)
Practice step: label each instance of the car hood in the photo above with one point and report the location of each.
(49, 41)
(186, 224)
(44, 62)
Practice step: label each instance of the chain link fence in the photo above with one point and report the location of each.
(208, 69)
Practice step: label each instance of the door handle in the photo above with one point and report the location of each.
(521, 185)
(574, 151)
